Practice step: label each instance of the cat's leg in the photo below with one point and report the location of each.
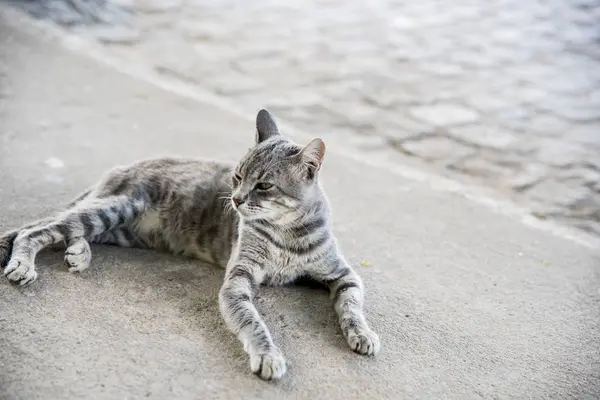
(78, 254)
(122, 237)
(243, 319)
(7, 239)
(87, 220)
(347, 292)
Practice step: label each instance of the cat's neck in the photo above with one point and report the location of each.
(318, 209)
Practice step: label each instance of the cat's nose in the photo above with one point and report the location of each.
(237, 201)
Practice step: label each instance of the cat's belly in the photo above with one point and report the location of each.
(152, 231)
(148, 223)
(200, 254)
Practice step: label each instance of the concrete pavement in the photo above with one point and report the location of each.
(469, 303)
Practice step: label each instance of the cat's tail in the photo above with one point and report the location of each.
(79, 198)
(6, 244)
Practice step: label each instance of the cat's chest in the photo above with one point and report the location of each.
(283, 268)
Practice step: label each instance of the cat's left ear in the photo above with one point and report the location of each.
(312, 156)
(265, 126)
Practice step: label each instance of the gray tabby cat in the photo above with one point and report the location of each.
(280, 232)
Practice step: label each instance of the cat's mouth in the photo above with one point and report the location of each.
(241, 209)
(250, 211)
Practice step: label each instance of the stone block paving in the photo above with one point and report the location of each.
(505, 93)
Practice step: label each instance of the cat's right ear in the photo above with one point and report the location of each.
(312, 156)
(265, 126)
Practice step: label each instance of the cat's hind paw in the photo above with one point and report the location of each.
(20, 271)
(268, 366)
(78, 255)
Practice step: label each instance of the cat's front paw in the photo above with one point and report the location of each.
(364, 341)
(20, 271)
(269, 365)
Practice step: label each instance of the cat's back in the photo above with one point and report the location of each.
(179, 170)
(160, 176)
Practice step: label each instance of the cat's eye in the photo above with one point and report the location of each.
(237, 178)
(263, 186)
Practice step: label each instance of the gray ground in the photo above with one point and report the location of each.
(469, 303)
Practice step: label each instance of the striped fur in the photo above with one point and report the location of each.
(266, 221)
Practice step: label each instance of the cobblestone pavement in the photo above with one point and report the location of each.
(505, 93)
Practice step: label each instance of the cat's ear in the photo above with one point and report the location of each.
(265, 126)
(312, 156)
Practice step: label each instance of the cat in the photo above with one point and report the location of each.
(266, 220)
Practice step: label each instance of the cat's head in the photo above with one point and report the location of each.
(277, 178)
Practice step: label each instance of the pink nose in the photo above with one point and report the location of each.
(237, 201)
